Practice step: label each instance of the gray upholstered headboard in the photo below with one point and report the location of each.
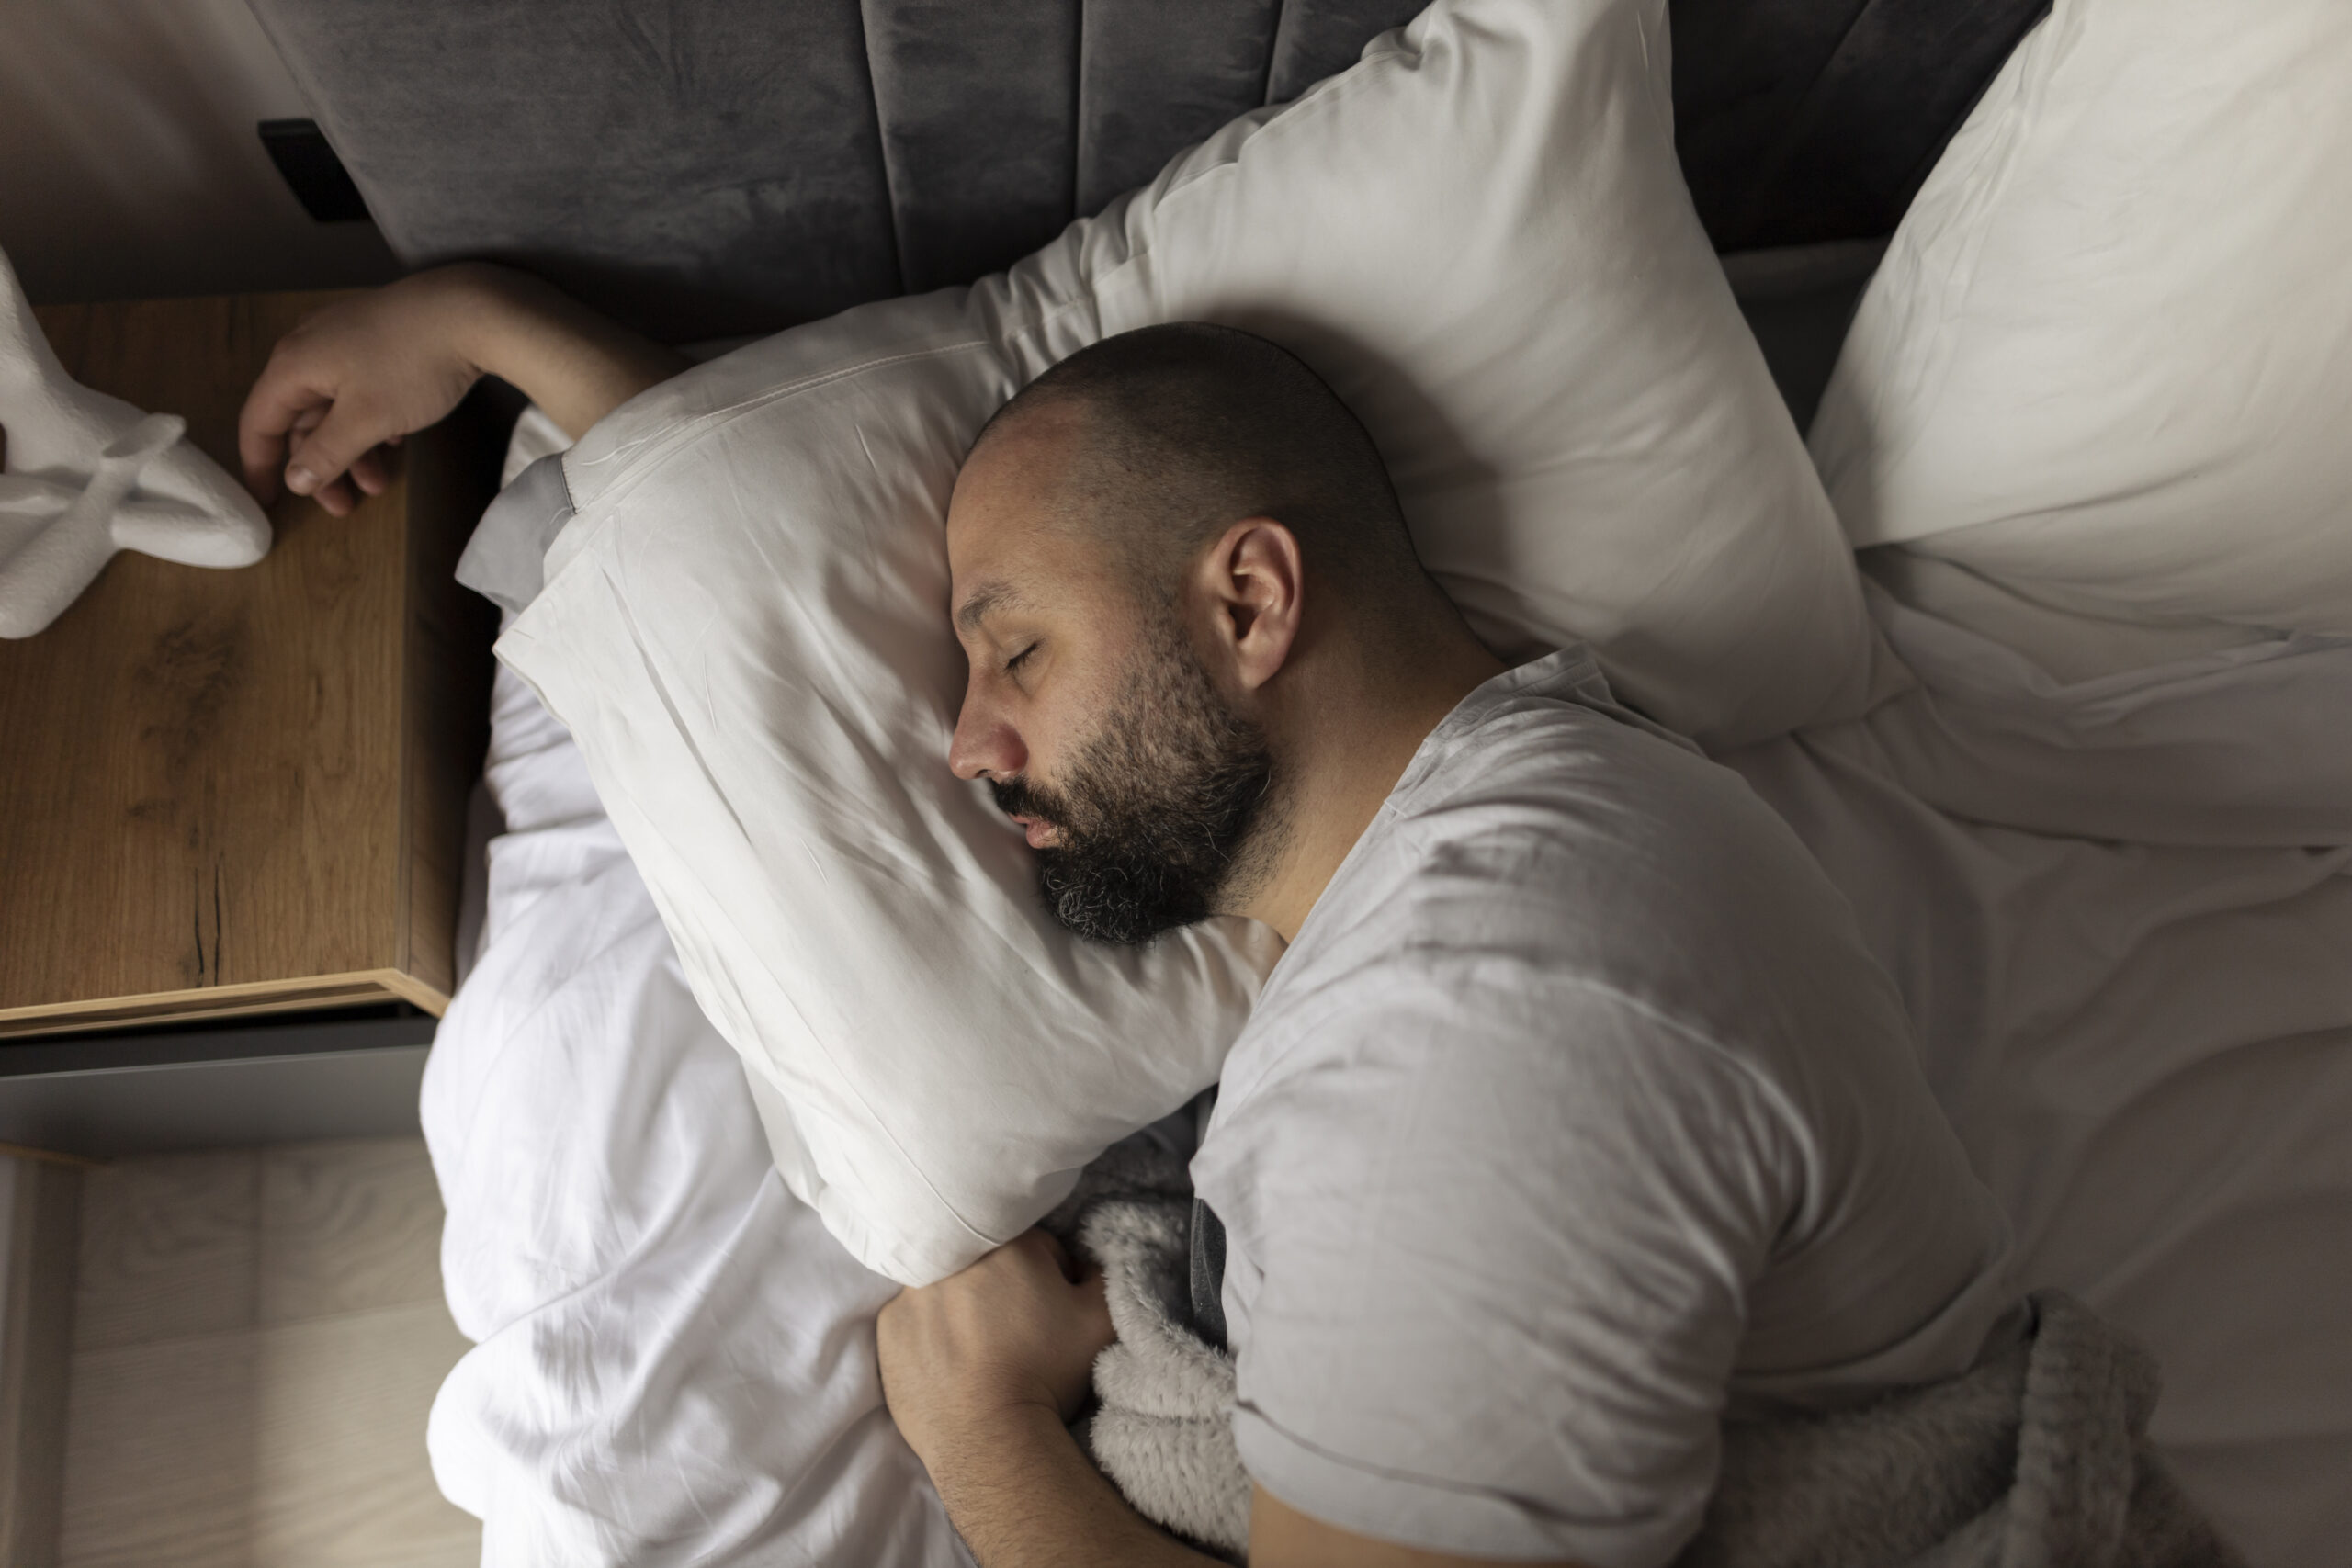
(706, 167)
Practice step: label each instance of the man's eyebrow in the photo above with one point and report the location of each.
(985, 602)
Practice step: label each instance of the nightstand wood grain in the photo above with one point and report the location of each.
(239, 792)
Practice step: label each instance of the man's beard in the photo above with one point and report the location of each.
(1152, 823)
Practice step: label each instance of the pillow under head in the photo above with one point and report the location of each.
(1480, 237)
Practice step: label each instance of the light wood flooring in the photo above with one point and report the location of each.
(258, 1334)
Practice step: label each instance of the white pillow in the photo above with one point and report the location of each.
(2107, 360)
(1481, 235)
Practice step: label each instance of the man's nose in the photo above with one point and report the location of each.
(984, 747)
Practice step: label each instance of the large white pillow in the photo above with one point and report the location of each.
(1481, 235)
(2107, 360)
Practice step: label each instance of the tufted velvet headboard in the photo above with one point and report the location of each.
(704, 167)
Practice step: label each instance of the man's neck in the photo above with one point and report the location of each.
(1354, 739)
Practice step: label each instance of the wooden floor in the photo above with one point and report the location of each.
(258, 1334)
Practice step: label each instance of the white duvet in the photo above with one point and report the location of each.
(2120, 910)
(674, 1362)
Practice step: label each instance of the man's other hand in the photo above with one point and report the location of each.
(364, 372)
(1018, 1330)
(354, 378)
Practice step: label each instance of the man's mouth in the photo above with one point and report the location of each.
(1041, 834)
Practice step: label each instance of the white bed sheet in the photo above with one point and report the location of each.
(2146, 1046)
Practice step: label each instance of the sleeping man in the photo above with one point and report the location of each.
(1575, 1119)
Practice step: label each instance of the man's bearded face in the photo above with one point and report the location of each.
(1155, 811)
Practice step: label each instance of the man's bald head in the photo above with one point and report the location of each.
(1170, 434)
(1179, 575)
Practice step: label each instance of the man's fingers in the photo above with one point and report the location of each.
(1094, 1308)
(283, 398)
(336, 499)
(261, 448)
(1050, 1245)
(1085, 1280)
(367, 472)
(321, 456)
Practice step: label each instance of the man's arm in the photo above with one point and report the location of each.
(1023, 1495)
(1281, 1537)
(364, 372)
(983, 1370)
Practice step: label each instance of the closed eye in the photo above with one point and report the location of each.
(1018, 660)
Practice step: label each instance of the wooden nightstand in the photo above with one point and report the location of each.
(241, 792)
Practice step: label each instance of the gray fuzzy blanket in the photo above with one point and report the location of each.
(2037, 1458)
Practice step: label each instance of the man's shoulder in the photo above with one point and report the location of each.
(1546, 749)
(1555, 820)
(1555, 869)
(1561, 883)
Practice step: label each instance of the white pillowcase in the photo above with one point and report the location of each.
(2107, 360)
(1480, 235)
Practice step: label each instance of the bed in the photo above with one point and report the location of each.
(2097, 893)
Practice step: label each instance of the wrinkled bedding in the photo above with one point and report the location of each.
(2120, 914)
(673, 1360)
(2120, 910)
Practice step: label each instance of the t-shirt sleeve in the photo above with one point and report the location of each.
(1500, 1237)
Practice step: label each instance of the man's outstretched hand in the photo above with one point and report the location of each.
(359, 375)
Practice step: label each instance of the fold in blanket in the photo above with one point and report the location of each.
(2037, 1458)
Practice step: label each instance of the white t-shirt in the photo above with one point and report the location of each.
(1576, 1118)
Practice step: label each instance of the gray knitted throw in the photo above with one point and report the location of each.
(2037, 1458)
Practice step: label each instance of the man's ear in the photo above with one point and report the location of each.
(1253, 582)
